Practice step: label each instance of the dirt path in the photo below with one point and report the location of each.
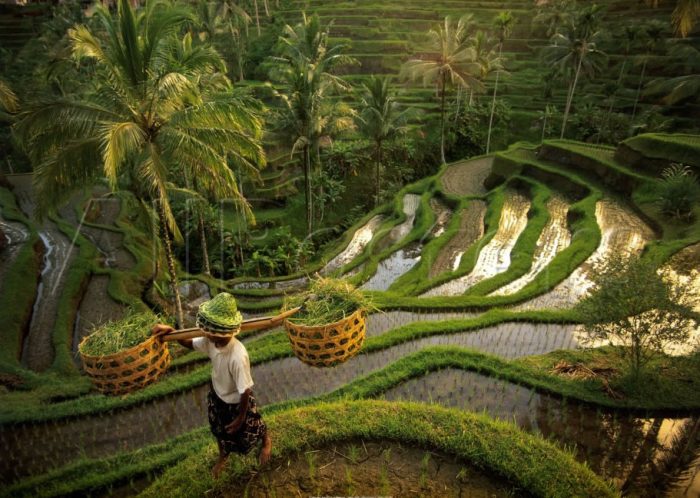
(467, 178)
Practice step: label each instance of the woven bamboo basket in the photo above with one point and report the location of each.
(328, 345)
(128, 370)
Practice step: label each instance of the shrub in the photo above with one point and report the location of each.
(679, 192)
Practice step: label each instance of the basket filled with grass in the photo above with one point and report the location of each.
(330, 326)
(122, 356)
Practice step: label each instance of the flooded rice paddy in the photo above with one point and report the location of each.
(622, 233)
(642, 455)
(555, 237)
(494, 257)
(33, 448)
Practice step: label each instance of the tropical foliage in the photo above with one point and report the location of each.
(151, 120)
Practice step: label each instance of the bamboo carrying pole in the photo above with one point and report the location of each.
(259, 323)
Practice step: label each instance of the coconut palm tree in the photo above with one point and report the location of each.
(146, 123)
(554, 15)
(451, 61)
(306, 65)
(575, 52)
(380, 119)
(503, 23)
(8, 99)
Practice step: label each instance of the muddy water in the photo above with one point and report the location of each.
(34, 448)
(555, 237)
(399, 262)
(622, 233)
(37, 351)
(360, 468)
(471, 229)
(381, 322)
(359, 241)
(636, 453)
(15, 235)
(391, 268)
(494, 257)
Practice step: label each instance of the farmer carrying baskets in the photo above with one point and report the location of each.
(233, 414)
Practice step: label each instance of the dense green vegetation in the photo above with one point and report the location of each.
(248, 144)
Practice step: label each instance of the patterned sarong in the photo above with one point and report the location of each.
(221, 414)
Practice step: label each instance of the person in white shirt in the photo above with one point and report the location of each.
(233, 415)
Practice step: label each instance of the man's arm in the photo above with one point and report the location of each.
(166, 329)
(234, 426)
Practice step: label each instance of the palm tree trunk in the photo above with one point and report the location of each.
(203, 241)
(493, 102)
(267, 8)
(459, 102)
(307, 190)
(544, 125)
(378, 166)
(639, 88)
(442, 119)
(257, 16)
(174, 288)
(571, 97)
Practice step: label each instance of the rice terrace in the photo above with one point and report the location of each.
(297, 248)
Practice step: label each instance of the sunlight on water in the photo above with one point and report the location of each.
(494, 257)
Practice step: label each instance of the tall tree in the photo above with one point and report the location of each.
(503, 23)
(141, 128)
(575, 53)
(380, 119)
(306, 65)
(554, 15)
(451, 61)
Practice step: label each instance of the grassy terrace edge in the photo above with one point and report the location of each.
(432, 421)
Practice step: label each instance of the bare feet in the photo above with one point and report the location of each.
(266, 450)
(219, 466)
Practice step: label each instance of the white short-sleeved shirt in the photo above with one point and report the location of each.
(230, 373)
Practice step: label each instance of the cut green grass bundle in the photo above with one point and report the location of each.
(118, 335)
(328, 300)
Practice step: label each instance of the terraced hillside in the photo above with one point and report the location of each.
(383, 35)
(473, 316)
